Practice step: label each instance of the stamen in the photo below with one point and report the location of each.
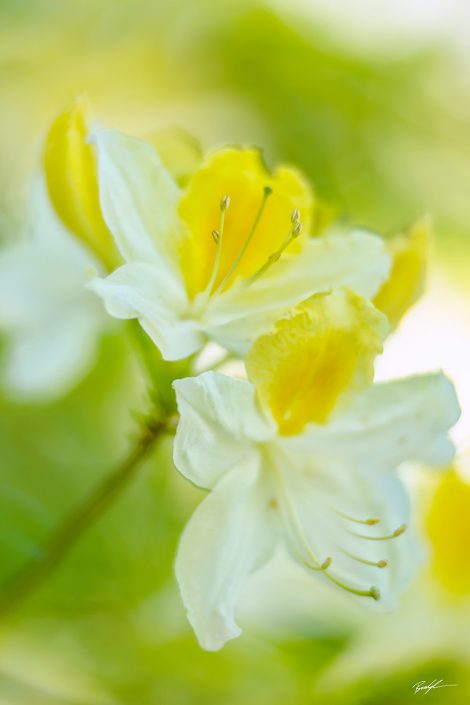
(313, 563)
(267, 191)
(296, 528)
(297, 230)
(373, 591)
(366, 522)
(376, 564)
(398, 532)
(217, 236)
(293, 233)
(322, 567)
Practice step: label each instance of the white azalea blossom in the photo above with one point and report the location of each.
(52, 324)
(224, 258)
(304, 453)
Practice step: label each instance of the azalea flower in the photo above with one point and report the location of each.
(52, 323)
(223, 258)
(304, 453)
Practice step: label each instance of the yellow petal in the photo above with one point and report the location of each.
(241, 175)
(448, 526)
(71, 178)
(406, 281)
(324, 348)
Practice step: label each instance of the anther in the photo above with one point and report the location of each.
(295, 217)
(401, 530)
(371, 592)
(375, 564)
(365, 522)
(321, 567)
(297, 230)
(398, 532)
(293, 233)
(217, 236)
(224, 203)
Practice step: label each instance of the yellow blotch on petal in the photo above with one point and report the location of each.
(71, 177)
(241, 175)
(409, 253)
(448, 527)
(324, 348)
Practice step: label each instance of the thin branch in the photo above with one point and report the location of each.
(38, 569)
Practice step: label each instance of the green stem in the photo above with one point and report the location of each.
(38, 569)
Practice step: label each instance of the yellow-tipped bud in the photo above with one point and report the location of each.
(72, 182)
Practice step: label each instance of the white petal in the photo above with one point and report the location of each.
(219, 424)
(388, 424)
(152, 294)
(228, 537)
(52, 322)
(325, 501)
(358, 260)
(138, 197)
(47, 360)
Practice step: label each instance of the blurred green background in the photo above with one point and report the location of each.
(377, 113)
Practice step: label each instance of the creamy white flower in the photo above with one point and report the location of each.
(52, 323)
(305, 453)
(224, 258)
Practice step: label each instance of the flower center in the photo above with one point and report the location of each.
(217, 284)
(248, 228)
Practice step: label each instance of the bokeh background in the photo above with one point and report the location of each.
(372, 100)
